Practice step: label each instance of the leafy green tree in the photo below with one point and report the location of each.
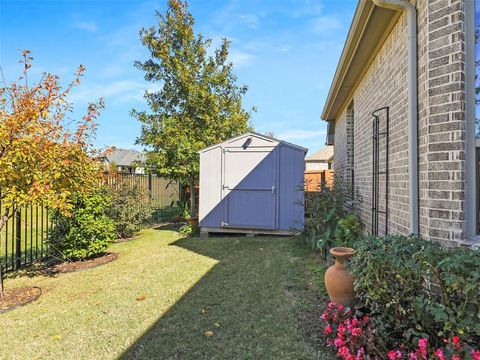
(199, 103)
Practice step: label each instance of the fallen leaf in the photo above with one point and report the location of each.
(204, 311)
(141, 298)
(57, 337)
(208, 333)
(217, 324)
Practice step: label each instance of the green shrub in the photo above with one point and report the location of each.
(130, 208)
(456, 306)
(189, 230)
(414, 288)
(323, 211)
(349, 230)
(88, 232)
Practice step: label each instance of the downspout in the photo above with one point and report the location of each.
(404, 5)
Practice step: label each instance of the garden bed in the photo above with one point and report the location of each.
(81, 265)
(13, 298)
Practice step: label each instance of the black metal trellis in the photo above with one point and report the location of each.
(380, 132)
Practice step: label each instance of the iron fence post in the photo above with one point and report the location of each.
(18, 239)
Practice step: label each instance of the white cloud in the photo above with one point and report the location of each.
(307, 8)
(326, 24)
(251, 20)
(300, 134)
(121, 91)
(86, 25)
(240, 59)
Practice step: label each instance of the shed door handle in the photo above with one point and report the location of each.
(273, 189)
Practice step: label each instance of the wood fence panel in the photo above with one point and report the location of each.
(315, 178)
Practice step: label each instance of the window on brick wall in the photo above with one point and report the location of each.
(477, 111)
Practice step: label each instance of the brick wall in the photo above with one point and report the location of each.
(384, 84)
(343, 145)
(441, 118)
(340, 148)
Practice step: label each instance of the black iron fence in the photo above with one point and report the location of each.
(23, 238)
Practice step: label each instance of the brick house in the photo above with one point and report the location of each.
(123, 160)
(320, 160)
(401, 117)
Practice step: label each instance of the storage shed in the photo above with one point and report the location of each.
(252, 184)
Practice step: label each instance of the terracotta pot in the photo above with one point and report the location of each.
(338, 279)
(193, 221)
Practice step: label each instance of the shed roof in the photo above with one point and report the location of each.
(257, 135)
(369, 29)
(123, 157)
(324, 154)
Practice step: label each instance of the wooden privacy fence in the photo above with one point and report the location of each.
(164, 193)
(23, 238)
(315, 178)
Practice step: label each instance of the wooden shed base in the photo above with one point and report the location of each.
(206, 231)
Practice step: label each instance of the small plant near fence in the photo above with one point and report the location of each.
(163, 195)
(130, 208)
(324, 211)
(87, 231)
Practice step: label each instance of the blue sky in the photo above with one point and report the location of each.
(286, 51)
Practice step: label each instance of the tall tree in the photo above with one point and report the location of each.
(199, 103)
(41, 161)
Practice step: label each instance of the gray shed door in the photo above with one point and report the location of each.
(250, 188)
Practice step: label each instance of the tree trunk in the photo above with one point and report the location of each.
(193, 210)
(3, 221)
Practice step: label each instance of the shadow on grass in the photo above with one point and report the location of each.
(38, 268)
(251, 302)
(171, 226)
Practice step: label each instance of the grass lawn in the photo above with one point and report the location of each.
(250, 293)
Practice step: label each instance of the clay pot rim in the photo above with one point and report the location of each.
(342, 251)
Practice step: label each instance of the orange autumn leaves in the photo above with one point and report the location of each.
(44, 156)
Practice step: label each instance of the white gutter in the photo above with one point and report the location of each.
(404, 5)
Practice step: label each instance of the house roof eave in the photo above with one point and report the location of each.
(368, 30)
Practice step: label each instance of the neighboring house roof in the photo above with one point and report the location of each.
(123, 157)
(369, 29)
(325, 154)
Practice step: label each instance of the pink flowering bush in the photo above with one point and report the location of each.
(414, 288)
(346, 332)
(454, 349)
(353, 337)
